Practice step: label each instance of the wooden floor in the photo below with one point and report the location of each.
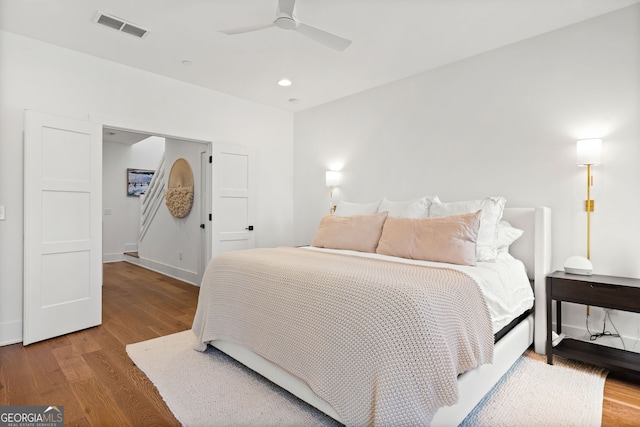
(90, 374)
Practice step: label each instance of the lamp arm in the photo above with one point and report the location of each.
(332, 208)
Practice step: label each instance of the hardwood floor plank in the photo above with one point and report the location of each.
(621, 403)
(97, 404)
(619, 391)
(131, 390)
(130, 333)
(18, 382)
(62, 395)
(71, 362)
(81, 422)
(50, 376)
(100, 337)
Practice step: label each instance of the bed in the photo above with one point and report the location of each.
(306, 335)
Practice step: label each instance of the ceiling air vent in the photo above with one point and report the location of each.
(120, 25)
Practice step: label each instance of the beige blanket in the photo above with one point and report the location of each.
(381, 342)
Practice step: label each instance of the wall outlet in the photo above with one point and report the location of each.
(2, 213)
(107, 211)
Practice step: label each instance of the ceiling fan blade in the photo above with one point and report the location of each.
(248, 29)
(285, 7)
(327, 39)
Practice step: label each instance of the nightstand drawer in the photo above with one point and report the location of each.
(614, 296)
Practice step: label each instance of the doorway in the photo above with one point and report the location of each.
(179, 248)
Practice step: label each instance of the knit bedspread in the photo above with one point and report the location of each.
(382, 342)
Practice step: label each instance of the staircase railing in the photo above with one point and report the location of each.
(152, 198)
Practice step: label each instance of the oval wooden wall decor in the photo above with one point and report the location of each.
(179, 194)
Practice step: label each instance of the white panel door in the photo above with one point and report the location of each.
(233, 198)
(62, 225)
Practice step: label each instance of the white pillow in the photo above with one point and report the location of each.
(492, 209)
(416, 208)
(507, 234)
(345, 208)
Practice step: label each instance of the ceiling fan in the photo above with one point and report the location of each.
(286, 21)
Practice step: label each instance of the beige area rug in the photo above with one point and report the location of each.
(533, 393)
(211, 389)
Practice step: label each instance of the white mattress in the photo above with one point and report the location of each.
(503, 283)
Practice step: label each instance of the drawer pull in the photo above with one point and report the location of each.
(605, 287)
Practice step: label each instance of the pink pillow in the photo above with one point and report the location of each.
(449, 239)
(356, 232)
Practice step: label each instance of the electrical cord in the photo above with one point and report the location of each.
(594, 336)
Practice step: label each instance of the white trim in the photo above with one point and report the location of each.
(106, 258)
(11, 332)
(132, 125)
(187, 276)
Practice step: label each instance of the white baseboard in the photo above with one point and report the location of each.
(10, 332)
(168, 270)
(112, 257)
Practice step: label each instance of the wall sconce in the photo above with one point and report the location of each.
(332, 179)
(588, 153)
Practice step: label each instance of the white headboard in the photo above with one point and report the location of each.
(534, 250)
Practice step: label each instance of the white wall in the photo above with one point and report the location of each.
(43, 77)
(501, 123)
(173, 245)
(121, 228)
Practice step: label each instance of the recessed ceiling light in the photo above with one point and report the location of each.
(186, 62)
(294, 100)
(284, 82)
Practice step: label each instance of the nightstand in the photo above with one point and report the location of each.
(620, 293)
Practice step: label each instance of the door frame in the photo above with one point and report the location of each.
(206, 184)
(164, 131)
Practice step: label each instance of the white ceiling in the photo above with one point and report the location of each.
(122, 136)
(391, 39)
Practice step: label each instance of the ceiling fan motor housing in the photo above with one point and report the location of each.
(286, 23)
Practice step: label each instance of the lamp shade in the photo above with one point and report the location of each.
(333, 178)
(588, 152)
